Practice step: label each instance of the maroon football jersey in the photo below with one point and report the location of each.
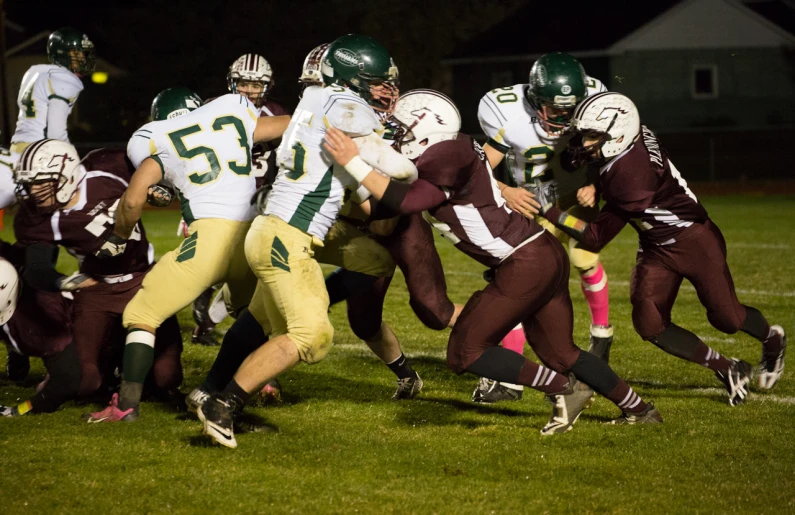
(80, 228)
(474, 217)
(263, 155)
(645, 187)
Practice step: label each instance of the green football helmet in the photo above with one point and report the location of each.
(73, 50)
(173, 102)
(557, 85)
(364, 66)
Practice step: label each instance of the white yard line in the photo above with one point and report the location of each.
(685, 287)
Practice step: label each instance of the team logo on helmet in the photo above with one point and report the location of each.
(541, 75)
(346, 57)
(566, 89)
(87, 42)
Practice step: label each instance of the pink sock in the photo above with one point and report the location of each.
(515, 340)
(595, 290)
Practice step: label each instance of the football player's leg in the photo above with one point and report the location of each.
(167, 367)
(714, 285)
(412, 247)
(203, 259)
(92, 328)
(62, 384)
(513, 295)
(653, 290)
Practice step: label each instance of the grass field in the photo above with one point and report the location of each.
(344, 447)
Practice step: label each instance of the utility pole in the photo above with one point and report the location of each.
(6, 138)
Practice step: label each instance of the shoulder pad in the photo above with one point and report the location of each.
(63, 84)
(350, 114)
(141, 145)
(594, 86)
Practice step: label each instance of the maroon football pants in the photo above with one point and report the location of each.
(701, 259)
(412, 247)
(99, 336)
(532, 287)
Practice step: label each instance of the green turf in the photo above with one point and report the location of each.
(344, 447)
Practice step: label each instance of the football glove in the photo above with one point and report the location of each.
(72, 282)
(160, 194)
(545, 193)
(112, 246)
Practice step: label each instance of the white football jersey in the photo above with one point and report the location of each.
(512, 126)
(308, 190)
(206, 155)
(41, 84)
(7, 194)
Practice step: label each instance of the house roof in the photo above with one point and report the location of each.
(611, 27)
(540, 27)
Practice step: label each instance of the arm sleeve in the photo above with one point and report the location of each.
(140, 147)
(39, 271)
(57, 113)
(7, 195)
(380, 155)
(401, 198)
(592, 236)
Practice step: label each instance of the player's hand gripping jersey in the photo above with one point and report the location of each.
(512, 126)
(308, 191)
(42, 85)
(206, 155)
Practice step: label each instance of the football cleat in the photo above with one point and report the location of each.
(567, 407)
(196, 399)
(408, 388)
(9, 411)
(771, 367)
(648, 416)
(17, 366)
(736, 380)
(601, 341)
(248, 423)
(204, 337)
(218, 418)
(488, 391)
(270, 394)
(112, 413)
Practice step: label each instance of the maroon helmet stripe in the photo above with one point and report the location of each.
(28, 159)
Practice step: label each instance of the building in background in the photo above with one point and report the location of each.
(717, 77)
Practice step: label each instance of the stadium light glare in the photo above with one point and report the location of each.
(99, 77)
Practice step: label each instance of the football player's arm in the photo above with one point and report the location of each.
(39, 270)
(400, 197)
(57, 113)
(270, 128)
(132, 201)
(591, 236)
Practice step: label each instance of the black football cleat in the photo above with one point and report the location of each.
(601, 341)
(204, 336)
(408, 388)
(489, 392)
(648, 416)
(218, 418)
(736, 380)
(17, 366)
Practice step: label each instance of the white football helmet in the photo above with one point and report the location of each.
(611, 115)
(47, 174)
(9, 290)
(424, 117)
(310, 71)
(251, 68)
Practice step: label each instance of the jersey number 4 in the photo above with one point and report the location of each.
(26, 98)
(212, 158)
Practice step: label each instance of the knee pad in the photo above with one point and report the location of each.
(646, 319)
(434, 317)
(314, 345)
(725, 322)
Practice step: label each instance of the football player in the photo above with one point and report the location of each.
(678, 240)
(37, 323)
(251, 76)
(291, 301)
(531, 268)
(205, 152)
(49, 91)
(69, 202)
(525, 124)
